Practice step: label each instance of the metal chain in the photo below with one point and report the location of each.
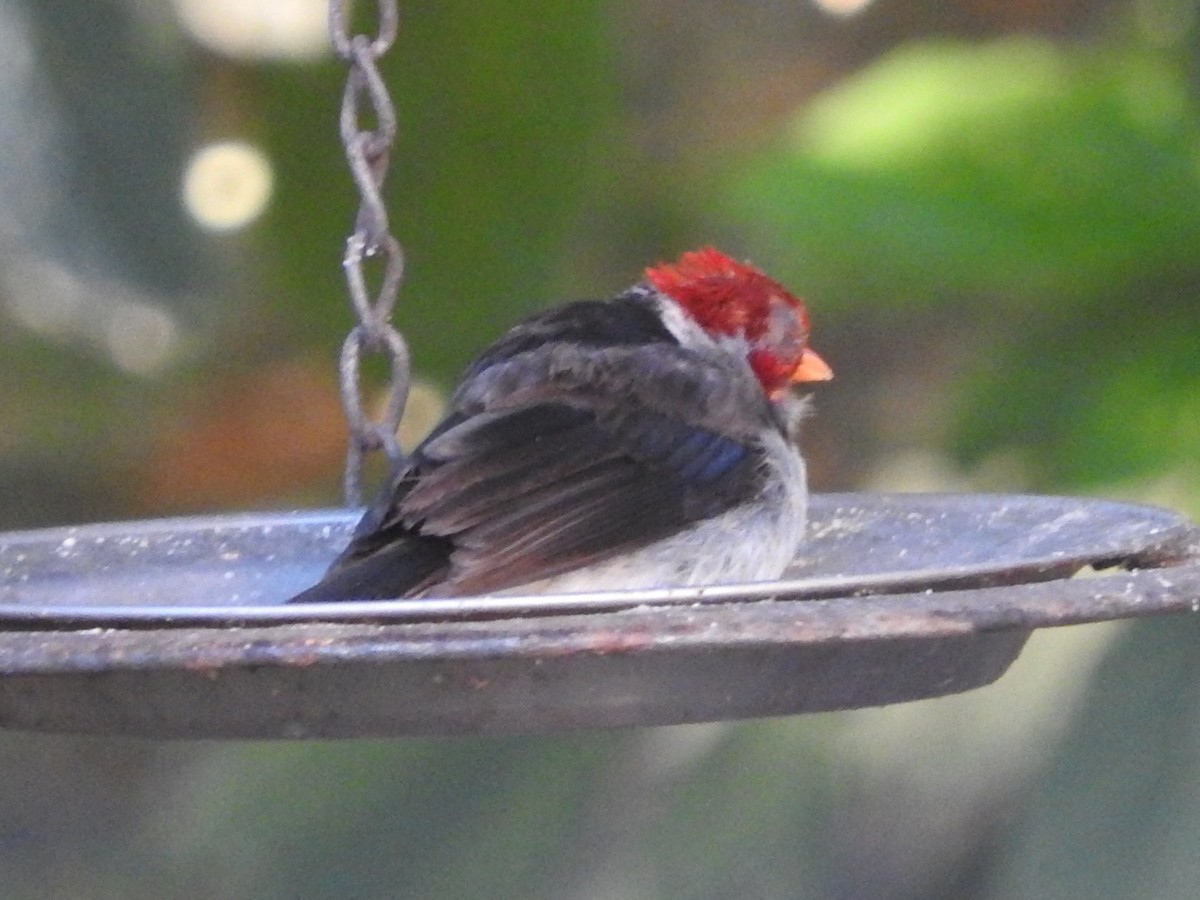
(367, 152)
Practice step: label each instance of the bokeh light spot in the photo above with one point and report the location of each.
(141, 339)
(258, 29)
(226, 186)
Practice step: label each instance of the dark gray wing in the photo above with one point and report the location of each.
(546, 488)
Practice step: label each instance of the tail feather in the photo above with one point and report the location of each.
(404, 568)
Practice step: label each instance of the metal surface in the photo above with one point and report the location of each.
(176, 628)
(367, 154)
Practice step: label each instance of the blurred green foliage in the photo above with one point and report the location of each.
(1050, 195)
(953, 172)
(500, 118)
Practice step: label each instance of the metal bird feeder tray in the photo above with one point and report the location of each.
(179, 628)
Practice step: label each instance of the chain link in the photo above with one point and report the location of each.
(367, 152)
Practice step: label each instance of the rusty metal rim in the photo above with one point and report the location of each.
(648, 666)
(779, 621)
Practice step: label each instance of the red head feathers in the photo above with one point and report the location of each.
(734, 299)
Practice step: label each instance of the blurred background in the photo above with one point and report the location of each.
(993, 209)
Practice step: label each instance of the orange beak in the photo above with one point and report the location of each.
(811, 368)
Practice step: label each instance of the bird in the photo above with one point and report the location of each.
(648, 440)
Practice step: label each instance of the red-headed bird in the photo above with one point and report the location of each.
(639, 442)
